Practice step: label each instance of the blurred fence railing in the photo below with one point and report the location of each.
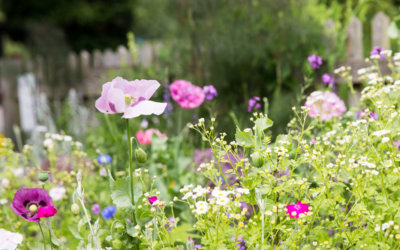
(55, 76)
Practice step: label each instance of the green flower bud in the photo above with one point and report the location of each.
(75, 208)
(43, 176)
(257, 159)
(120, 227)
(116, 244)
(140, 155)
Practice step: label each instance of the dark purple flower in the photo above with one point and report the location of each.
(96, 208)
(254, 103)
(329, 79)
(377, 51)
(210, 92)
(27, 202)
(315, 61)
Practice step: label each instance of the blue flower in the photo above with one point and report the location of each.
(109, 212)
(104, 159)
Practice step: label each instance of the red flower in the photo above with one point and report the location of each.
(47, 211)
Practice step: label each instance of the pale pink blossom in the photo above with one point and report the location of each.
(325, 104)
(129, 97)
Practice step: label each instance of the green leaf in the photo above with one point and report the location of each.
(75, 233)
(120, 193)
(263, 123)
(244, 137)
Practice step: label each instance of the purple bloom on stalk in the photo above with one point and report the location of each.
(329, 79)
(27, 202)
(197, 246)
(241, 243)
(315, 61)
(210, 92)
(397, 144)
(109, 212)
(362, 113)
(254, 103)
(96, 208)
(377, 52)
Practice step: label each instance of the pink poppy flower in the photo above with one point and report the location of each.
(187, 95)
(145, 137)
(294, 210)
(325, 104)
(129, 97)
(46, 211)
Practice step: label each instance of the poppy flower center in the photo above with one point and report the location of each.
(33, 208)
(129, 100)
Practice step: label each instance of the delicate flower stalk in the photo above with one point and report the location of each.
(44, 238)
(130, 169)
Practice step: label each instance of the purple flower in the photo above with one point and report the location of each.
(312, 141)
(96, 208)
(27, 202)
(202, 156)
(377, 51)
(315, 61)
(254, 103)
(329, 79)
(109, 212)
(197, 246)
(362, 113)
(210, 92)
(241, 243)
(152, 199)
(397, 144)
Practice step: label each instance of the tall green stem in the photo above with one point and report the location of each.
(44, 239)
(128, 133)
(51, 245)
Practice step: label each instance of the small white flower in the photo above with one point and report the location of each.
(385, 139)
(18, 172)
(374, 172)
(377, 228)
(222, 201)
(243, 190)
(389, 163)
(187, 195)
(3, 202)
(57, 193)
(380, 133)
(219, 193)
(385, 226)
(201, 207)
(5, 182)
(269, 213)
(103, 172)
(200, 191)
(48, 143)
(9, 240)
(67, 138)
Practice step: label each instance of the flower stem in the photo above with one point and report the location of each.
(51, 244)
(44, 239)
(130, 168)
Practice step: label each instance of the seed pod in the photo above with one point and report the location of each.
(257, 159)
(75, 208)
(43, 176)
(140, 155)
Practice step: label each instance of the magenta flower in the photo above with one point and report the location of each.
(145, 137)
(294, 210)
(254, 103)
(397, 144)
(96, 208)
(315, 61)
(210, 92)
(129, 97)
(28, 201)
(325, 104)
(152, 199)
(46, 211)
(187, 95)
(377, 51)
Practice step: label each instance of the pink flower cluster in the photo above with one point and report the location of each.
(145, 137)
(325, 104)
(187, 95)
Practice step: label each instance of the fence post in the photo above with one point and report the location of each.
(354, 40)
(380, 25)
